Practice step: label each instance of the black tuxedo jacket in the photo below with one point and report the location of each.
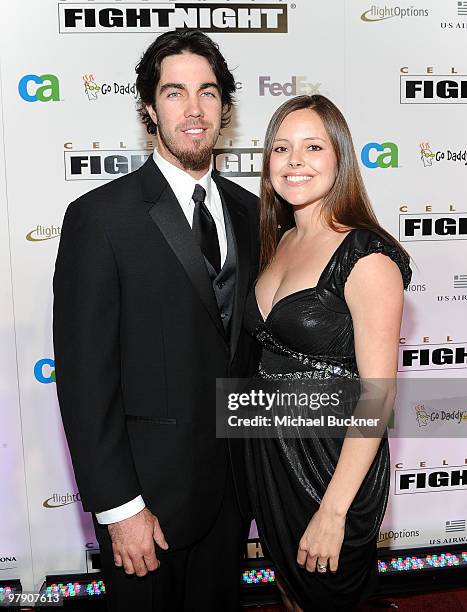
(138, 344)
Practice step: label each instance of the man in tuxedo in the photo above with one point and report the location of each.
(150, 284)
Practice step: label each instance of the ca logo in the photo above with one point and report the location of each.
(44, 371)
(48, 90)
(387, 158)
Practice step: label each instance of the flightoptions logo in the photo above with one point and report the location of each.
(447, 87)
(432, 226)
(445, 478)
(58, 500)
(93, 91)
(381, 13)
(429, 355)
(430, 157)
(43, 232)
(158, 17)
(394, 536)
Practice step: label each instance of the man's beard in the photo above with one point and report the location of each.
(196, 158)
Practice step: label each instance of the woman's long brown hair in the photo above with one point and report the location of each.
(347, 204)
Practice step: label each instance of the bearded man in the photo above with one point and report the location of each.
(150, 284)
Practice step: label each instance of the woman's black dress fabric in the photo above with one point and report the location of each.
(309, 334)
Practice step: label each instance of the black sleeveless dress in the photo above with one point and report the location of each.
(309, 334)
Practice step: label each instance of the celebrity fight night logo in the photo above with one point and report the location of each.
(432, 226)
(101, 164)
(445, 478)
(434, 86)
(432, 356)
(159, 17)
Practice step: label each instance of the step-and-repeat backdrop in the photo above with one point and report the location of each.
(398, 72)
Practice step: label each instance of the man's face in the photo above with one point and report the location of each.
(187, 111)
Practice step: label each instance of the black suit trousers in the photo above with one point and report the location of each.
(204, 577)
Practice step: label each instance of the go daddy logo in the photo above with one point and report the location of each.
(48, 89)
(384, 155)
(44, 371)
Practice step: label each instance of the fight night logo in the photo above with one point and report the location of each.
(159, 17)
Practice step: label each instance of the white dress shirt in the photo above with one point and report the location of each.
(182, 185)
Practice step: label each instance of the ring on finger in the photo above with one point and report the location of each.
(322, 568)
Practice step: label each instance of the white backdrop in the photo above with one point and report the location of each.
(69, 123)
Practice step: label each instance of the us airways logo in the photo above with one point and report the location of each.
(446, 478)
(147, 17)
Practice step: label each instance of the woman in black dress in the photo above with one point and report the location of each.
(328, 303)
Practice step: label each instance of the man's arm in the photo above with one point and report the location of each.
(87, 365)
(87, 360)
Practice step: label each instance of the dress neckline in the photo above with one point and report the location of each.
(300, 291)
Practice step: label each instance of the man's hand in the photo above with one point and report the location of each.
(133, 542)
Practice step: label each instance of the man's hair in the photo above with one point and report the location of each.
(175, 43)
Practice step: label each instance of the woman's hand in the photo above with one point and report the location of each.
(321, 542)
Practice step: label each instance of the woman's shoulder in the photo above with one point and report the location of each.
(361, 242)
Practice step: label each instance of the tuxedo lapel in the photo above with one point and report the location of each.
(172, 223)
(240, 224)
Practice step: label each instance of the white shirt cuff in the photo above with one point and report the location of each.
(121, 512)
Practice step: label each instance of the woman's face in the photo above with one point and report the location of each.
(303, 165)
